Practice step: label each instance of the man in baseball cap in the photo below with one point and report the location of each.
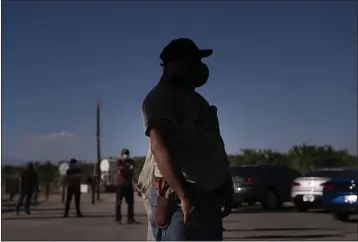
(183, 47)
(184, 138)
(182, 56)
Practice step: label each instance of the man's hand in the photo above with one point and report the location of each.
(227, 193)
(227, 207)
(186, 208)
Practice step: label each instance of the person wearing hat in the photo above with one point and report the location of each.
(124, 183)
(73, 183)
(189, 172)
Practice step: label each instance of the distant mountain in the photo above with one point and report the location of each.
(12, 160)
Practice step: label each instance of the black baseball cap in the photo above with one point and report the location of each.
(183, 47)
(73, 161)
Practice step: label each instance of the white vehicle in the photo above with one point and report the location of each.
(307, 191)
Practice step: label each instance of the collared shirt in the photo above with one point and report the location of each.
(199, 149)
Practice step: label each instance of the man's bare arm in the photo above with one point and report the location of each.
(164, 162)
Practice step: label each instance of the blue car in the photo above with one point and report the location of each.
(340, 195)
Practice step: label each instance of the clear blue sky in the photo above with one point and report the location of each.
(281, 73)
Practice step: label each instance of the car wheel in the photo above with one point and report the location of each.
(301, 207)
(270, 200)
(341, 216)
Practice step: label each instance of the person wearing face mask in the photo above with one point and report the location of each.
(124, 183)
(187, 180)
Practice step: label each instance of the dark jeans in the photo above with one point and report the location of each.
(208, 225)
(76, 192)
(125, 191)
(24, 195)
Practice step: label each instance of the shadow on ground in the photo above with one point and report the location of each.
(10, 207)
(31, 217)
(285, 237)
(278, 210)
(275, 229)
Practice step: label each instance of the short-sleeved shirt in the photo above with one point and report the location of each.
(74, 177)
(125, 168)
(198, 148)
(29, 180)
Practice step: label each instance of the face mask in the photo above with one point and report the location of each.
(195, 78)
(125, 156)
(201, 75)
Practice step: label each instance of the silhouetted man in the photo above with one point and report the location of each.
(28, 182)
(124, 183)
(189, 170)
(73, 182)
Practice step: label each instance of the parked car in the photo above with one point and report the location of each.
(307, 191)
(268, 184)
(340, 195)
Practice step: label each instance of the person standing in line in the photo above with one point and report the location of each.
(124, 186)
(184, 134)
(73, 183)
(28, 182)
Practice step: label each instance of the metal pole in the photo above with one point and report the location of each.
(98, 150)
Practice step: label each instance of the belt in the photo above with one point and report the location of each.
(158, 182)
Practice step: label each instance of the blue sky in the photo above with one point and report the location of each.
(281, 73)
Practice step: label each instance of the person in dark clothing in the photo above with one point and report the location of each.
(28, 183)
(73, 182)
(124, 177)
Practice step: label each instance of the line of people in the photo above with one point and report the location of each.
(185, 181)
(29, 187)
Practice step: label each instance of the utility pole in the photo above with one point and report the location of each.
(98, 150)
(93, 183)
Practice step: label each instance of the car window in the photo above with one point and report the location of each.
(272, 170)
(350, 173)
(327, 173)
(291, 172)
(282, 171)
(243, 171)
